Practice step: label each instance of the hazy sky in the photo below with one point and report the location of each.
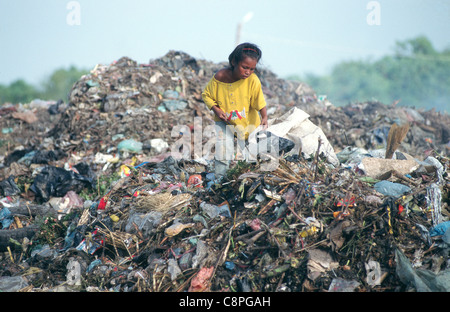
(296, 36)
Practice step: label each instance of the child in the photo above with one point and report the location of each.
(235, 96)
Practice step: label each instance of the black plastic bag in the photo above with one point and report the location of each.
(9, 187)
(15, 156)
(45, 157)
(85, 170)
(29, 156)
(56, 182)
(270, 140)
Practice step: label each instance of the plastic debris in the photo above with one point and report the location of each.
(421, 280)
(9, 187)
(54, 181)
(130, 146)
(389, 188)
(341, 285)
(200, 281)
(329, 215)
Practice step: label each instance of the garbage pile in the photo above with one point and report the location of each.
(93, 200)
(366, 125)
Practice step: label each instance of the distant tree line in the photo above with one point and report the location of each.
(56, 87)
(415, 75)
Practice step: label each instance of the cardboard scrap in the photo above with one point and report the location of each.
(378, 168)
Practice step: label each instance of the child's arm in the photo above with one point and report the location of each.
(219, 112)
(264, 121)
(211, 102)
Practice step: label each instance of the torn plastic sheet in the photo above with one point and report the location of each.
(342, 285)
(424, 233)
(440, 229)
(6, 218)
(422, 280)
(438, 166)
(296, 127)
(434, 201)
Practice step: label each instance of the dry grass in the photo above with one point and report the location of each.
(162, 202)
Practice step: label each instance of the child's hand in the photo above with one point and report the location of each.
(219, 113)
(264, 122)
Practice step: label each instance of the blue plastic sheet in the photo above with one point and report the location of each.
(440, 229)
(389, 188)
(6, 218)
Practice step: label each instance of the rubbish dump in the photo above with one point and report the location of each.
(92, 199)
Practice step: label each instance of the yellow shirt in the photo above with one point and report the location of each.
(240, 100)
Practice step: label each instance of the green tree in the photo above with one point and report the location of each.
(419, 74)
(17, 92)
(417, 46)
(370, 84)
(59, 84)
(416, 74)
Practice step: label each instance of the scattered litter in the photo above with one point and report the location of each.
(92, 199)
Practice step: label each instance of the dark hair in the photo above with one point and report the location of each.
(247, 49)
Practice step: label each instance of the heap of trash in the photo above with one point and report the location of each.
(92, 197)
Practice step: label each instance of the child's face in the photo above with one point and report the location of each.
(245, 68)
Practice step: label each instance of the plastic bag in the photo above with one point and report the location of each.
(422, 280)
(440, 229)
(213, 211)
(9, 186)
(389, 188)
(6, 218)
(130, 146)
(267, 141)
(54, 181)
(146, 223)
(12, 283)
(295, 126)
(342, 285)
